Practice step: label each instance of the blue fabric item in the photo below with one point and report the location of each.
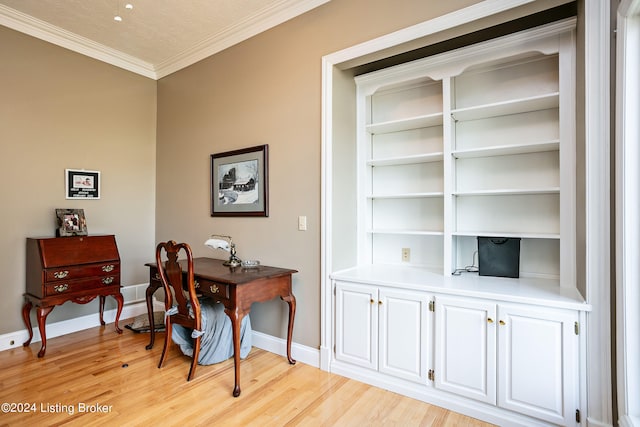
(216, 343)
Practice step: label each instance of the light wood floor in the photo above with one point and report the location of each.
(98, 366)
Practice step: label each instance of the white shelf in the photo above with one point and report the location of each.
(472, 233)
(507, 150)
(508, 192)
(407, 232)
(417, 122)
(407, 160)
(496, 172)
(515, 106)
(406, 195)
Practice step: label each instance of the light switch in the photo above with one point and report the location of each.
(302, 223)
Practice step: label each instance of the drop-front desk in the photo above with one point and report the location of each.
(236, 288)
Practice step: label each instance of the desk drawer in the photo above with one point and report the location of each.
(217, 290)
(81, 271)
(70, 286)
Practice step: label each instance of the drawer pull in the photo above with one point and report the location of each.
(490, 320)
(61, 274)
(108, 268)
(214, 289)
(196, 284)
(107, 280)
(156, 276)
(502, 322)
(61, 288)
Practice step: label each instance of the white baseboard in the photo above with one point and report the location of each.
(307, 355)
(135, 306)
(15, 339)
(629, 421)
(597, 423)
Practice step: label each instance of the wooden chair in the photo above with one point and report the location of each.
(186, 311)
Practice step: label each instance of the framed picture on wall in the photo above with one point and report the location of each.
(71, 222)
(82, 184)
(240, 182)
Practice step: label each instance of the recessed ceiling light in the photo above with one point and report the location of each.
(117, 18)
(128, 6)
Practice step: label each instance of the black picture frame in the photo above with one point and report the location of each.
(71, 222)
(240, 182)
(82, 184)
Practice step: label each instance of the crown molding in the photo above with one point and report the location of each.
(227, 37)
(42, 30)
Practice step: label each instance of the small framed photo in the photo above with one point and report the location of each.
(71, 222)
(81, 184)
(240, 182)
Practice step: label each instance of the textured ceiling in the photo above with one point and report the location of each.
(154, 38)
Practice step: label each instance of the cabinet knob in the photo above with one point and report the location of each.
(214, 289)
(379, 302)
(490, 320)
(502, 323)
(371, 301)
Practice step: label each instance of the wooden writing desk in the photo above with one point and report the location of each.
(78, 269)
(236, 288)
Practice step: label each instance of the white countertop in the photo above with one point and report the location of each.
(542, 292)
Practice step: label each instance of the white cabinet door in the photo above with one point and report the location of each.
(405, 327)
(465, 348)
(357, 324)
(538, 357)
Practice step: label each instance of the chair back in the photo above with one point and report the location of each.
(178, 285)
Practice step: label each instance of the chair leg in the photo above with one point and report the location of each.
(194, 360)
(167, 340)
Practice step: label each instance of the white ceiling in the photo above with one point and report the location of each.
(156, 37)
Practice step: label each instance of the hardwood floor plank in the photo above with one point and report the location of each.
(97, 377)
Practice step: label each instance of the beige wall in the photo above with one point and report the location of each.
(58, 110)
(266, 90)
(61, 110)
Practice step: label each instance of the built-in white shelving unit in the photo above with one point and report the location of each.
(457, 147)
(477, 142)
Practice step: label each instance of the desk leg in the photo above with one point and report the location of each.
(236, 322)
(43, 312)
(291, 300)
(120, 301)
(26, 310)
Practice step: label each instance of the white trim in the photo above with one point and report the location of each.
(326, 299)
(300, 353)
(460, 17)
(598, 205)
(57, 329)
(227, 37)
(628, 212)
(42, 30)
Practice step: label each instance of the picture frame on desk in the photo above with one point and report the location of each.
(240, 182)
(82, 184)
(71, 222)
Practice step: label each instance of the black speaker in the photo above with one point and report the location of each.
(499, 256)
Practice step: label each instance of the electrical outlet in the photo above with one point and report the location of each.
(406, 254)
